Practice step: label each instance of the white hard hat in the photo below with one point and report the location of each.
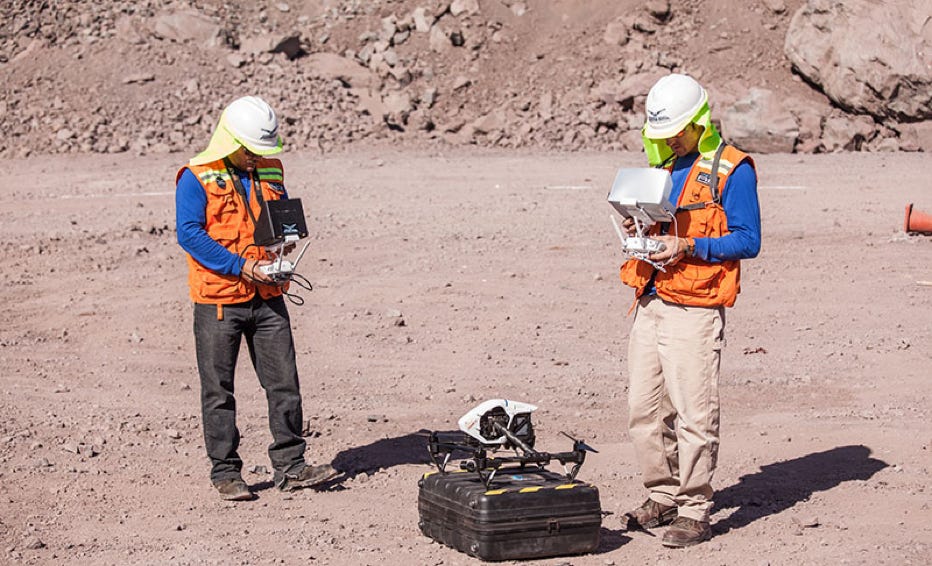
(672, 103)
(252, 122)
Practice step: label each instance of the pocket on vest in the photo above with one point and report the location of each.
(699, 281)
(216, 287)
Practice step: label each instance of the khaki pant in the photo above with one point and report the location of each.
(673, 364)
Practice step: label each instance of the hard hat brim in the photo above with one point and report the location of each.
(666, 132)
(264, 149)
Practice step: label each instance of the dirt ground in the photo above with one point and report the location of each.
(443, 278)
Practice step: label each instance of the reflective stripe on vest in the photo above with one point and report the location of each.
(692, 281)
(229, 224)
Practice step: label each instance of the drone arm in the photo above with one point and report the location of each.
(513, 438)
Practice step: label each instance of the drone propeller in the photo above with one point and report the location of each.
(579, 444)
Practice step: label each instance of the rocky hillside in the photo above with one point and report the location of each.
(151, 76)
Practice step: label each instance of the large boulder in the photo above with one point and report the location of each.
(760, 123)
(333, 66)
(289, 44)
(869, 57)
(188, 26)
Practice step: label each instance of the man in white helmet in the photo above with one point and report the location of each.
(218, 195)
(678, 331)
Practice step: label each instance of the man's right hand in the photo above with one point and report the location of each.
(630, 228)
(252, 272)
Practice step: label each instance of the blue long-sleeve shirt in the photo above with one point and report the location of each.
(191, 219)
(742, 208)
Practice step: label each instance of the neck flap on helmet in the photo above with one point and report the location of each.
(658, 152)
(222, 143)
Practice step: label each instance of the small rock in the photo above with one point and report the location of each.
(138, 78)
(88, 450)
(33, 543)
(468, 7)
(421, 23)
(775, 6)
(236, 60)
(659, 9)
(810, 523)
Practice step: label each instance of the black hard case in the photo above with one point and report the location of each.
(523, 514)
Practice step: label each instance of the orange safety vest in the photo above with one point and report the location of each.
(692, 281)
(229, 223)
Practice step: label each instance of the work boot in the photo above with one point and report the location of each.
(649, 515)
(686, 532)
(308, 476)
(233, 489)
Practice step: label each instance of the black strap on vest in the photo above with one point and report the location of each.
(713, 182)
(716, 197)
(665, 162)
(241, 191)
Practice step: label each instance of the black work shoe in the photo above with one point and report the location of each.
(649, 515)
(308, 476)
(686, 532)
(233, 489)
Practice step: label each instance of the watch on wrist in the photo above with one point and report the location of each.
(690, 247)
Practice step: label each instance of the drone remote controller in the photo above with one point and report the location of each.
(279, 270)
(643, 195)
(637, 245)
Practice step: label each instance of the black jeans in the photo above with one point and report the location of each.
(267, 329)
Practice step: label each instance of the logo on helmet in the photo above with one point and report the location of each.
(657, 116)
(269, 134)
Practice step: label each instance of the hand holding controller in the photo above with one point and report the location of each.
(635, 245)
(279, 270)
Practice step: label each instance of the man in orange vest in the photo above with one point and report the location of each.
(218, 198)
(675, 342)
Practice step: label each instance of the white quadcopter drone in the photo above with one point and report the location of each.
(642, 194)
(500, 424)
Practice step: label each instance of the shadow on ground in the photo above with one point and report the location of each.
(611, 539)
(779, 486)
(384, 453)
